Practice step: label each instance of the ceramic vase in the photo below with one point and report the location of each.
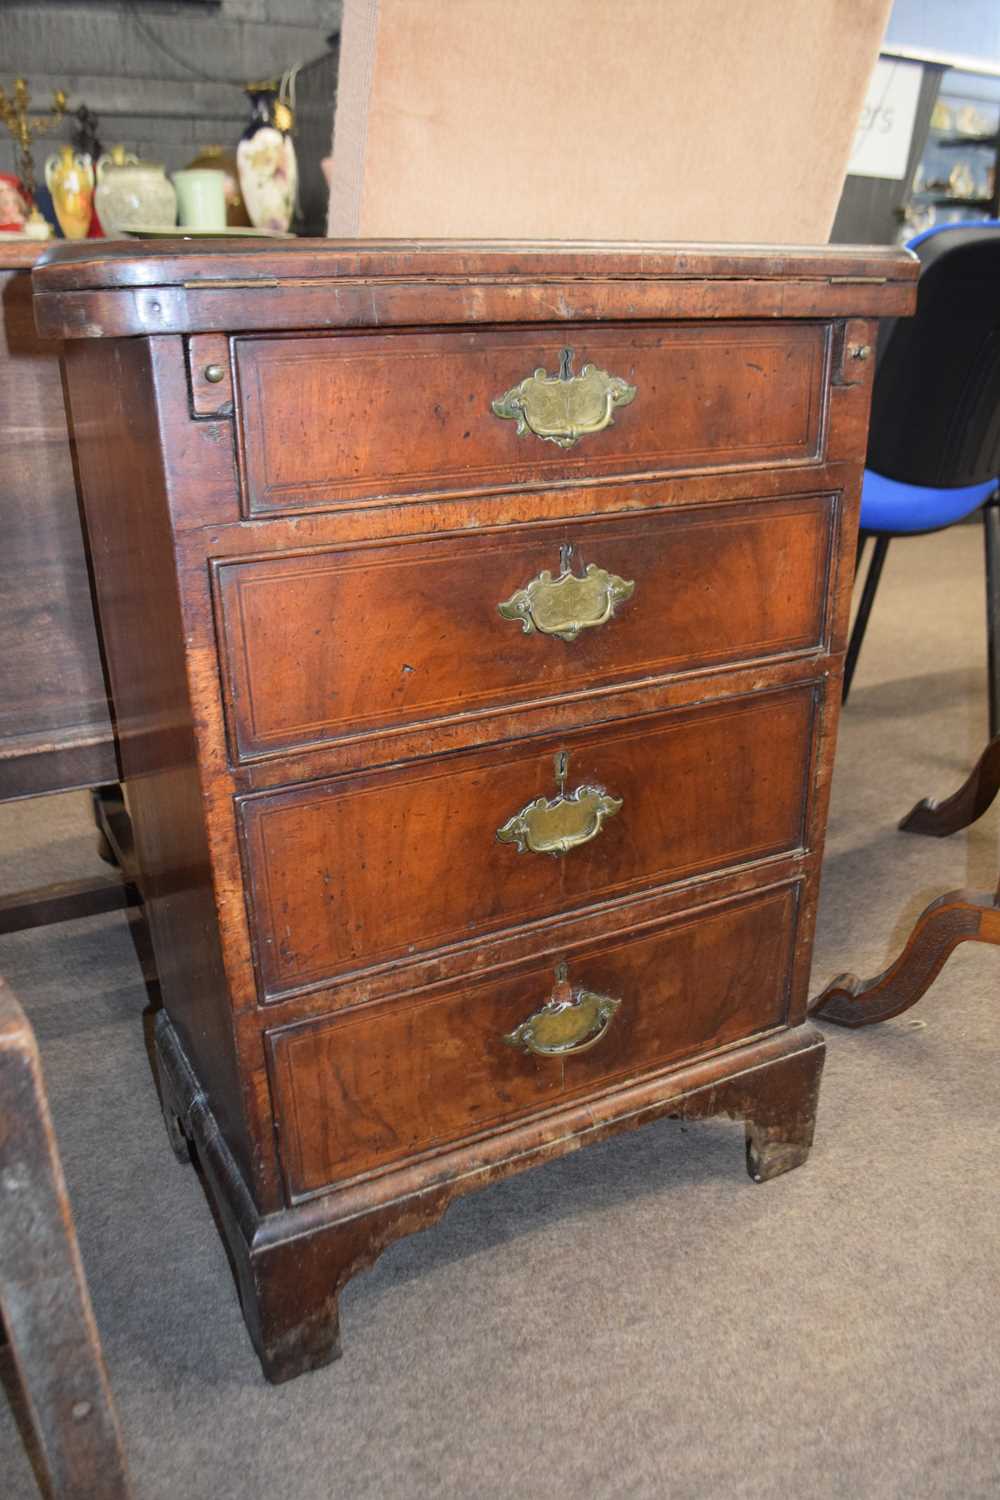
(69, 177)
(133, 194)
(267, 164)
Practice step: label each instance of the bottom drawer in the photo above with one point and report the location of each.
(390, 1081)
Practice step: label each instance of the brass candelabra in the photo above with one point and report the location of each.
(15, 114)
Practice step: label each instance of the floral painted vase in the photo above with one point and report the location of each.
(266, 161)
(69, 177)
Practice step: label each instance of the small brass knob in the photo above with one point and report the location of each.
(214, 373)
(859, 351)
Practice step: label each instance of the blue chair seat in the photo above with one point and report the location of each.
(934, 419)
(890, 505)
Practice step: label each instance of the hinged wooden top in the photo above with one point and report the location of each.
(21, 255)
(92, 290)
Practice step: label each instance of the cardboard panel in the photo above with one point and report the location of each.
(616, 119)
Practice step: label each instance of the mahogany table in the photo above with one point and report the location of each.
(55, 720)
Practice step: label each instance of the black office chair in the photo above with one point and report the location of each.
(934, 443)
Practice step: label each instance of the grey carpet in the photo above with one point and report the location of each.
(639, 1319)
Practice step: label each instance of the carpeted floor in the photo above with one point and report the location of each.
(637, 1320)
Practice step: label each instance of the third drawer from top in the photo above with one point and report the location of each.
(351, 872)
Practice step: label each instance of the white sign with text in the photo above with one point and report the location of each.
(882, 142)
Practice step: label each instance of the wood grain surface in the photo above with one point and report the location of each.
(327, 644)
(183, 288)
(326, 720)
(76, 1443)
(327, 420)
(376, 1086)
(55, 724)
(364, 870)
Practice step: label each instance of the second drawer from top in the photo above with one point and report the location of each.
(340, 644)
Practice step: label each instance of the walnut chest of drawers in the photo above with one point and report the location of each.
(475, 619)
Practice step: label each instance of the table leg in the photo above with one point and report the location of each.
(962, 808)
(958, 917)
(43, 1294)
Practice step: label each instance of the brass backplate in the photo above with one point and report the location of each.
(554, 825)
(566, 605)
(572, 1021)
(564, 408)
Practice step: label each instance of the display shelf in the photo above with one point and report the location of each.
(956, 177)
(990, 141)
(949, 200)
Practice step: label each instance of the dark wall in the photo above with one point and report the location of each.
(163, 78)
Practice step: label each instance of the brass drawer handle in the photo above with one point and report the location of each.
(566, 605)
(557, 824)
(564, 408)
(571, 1021)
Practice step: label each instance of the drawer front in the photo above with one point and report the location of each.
(380, 1084)
(354, 642)
(329, 420)
(361, 870)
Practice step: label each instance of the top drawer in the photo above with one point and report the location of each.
(328, 420)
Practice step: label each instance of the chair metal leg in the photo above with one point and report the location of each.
(864, 607)
(991, 539)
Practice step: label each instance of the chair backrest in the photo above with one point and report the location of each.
(936, 402)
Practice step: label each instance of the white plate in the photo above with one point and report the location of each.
(181, 232)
